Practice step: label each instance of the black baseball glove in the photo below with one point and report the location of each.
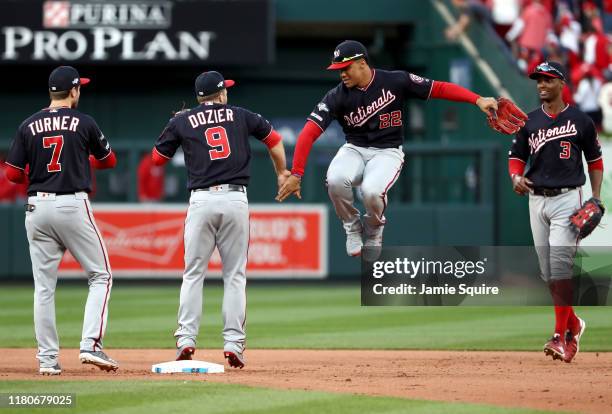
(587, 217)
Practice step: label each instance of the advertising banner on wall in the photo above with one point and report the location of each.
(132, 31)
(147, 241)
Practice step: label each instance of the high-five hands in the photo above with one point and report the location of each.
(291, 185)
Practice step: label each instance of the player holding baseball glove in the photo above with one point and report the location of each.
(554, 140)
(368, 103)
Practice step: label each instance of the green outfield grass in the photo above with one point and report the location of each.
(201, 397)
(298, 316)
(279, 316)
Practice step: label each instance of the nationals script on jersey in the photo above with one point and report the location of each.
(372, 116)
(554, 146)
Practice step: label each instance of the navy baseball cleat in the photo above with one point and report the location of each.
(99, 359)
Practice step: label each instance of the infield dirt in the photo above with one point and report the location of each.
(508, 379)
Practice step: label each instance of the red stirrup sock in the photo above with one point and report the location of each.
(562, 293)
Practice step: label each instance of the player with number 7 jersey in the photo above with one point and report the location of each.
(215, 140)
(53, 147)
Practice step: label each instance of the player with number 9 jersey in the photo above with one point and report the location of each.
(215, 140)
(214, 137)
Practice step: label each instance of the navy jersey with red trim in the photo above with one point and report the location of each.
(372, 116)
(56, 143)
(554, 147)
(215, 141)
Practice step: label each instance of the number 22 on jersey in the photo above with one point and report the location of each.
(216, 137)
(393, 119)
(56, 142)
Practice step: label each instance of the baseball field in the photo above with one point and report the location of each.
(312, 348)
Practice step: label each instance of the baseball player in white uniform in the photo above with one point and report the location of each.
(368, 103)
(55, 145)
(553, 141)
(215, 139)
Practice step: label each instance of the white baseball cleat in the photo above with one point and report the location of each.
(353, 244)
(54, 370)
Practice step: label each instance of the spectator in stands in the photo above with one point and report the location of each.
(595, 49)
(607, 15)
(549, 5)
(605, 103)
(531, 29)
(150, 180)
(569, 30)
(468, 10)
(592, 16)
(504, 13)
(587, 96)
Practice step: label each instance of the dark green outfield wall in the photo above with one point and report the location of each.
(132, 104)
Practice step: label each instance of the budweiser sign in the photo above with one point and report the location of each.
(147, 241)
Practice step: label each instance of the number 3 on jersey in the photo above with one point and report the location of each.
(565, 152)
(56, 143)
(216, 137)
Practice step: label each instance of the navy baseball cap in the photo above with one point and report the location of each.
(64, 78)
(208, 83)
(346, 53)
(549, 69)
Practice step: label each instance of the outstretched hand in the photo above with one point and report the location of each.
(292, 185)
(508, 118)
(487, 105)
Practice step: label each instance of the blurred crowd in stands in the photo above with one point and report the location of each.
(577, 33)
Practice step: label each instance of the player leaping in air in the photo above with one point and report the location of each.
(368, 105)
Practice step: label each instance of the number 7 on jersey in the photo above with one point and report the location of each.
(56, 142)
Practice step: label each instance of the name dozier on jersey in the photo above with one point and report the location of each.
(211, 116)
